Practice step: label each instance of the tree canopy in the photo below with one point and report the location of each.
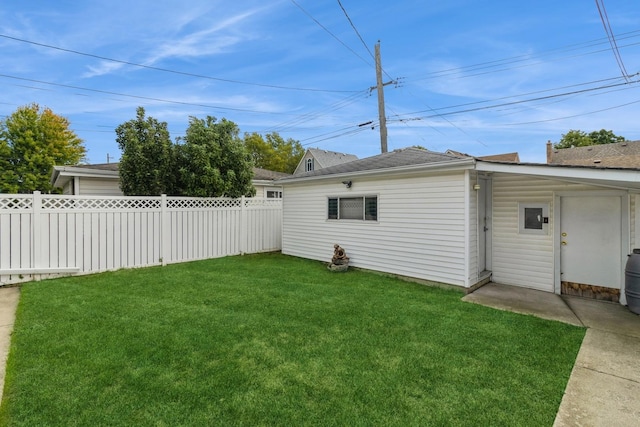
(32, 141)
(213, 162)
(578, 138)
(209, 161)
(273, 152)
(147, 160)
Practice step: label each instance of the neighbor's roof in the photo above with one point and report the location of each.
(331, 158)
(267, 175)
(394, 160)
(617, 155)
(62, 174)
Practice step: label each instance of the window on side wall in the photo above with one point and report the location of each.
(533, 218)
(271, 194)
(357, 208)
(309, 166)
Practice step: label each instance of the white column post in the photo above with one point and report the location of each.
(165, 233)
(36, 238)
(243, 226)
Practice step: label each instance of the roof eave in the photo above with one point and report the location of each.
(62, 174)
(462, 164)
(614, 178)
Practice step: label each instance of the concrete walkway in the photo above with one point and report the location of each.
(604, 387)
(8, 303)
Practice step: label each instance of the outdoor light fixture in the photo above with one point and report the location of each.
(347, 183)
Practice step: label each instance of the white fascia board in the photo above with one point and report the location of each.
(86, 172)
(62, 174)
(449, 165)
(622, 176)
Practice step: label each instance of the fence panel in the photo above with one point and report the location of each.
(49, 235)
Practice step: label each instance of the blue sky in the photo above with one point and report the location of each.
(481, 77)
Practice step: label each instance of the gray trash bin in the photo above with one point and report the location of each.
(632, 281)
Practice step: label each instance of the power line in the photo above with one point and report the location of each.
(488, 65)
(330, 33)
(355, 29)
(528, 93)
(575, 115)
(166, 70)
(146, 98)
(612, 40)
(487, 107)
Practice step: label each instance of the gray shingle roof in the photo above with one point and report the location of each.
(267, 175)
(397, 158)
(327, 159)
(617, 155)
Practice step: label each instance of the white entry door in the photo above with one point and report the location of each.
(590, 240)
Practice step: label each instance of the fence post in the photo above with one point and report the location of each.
(243, 226)
(165, 235)
(36, 234)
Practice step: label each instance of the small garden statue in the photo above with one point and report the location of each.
(340, 260)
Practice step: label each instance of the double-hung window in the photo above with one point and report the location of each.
(360, 207)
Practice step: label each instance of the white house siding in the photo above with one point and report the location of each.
(420, 230)
(99, 187)
(524, 259)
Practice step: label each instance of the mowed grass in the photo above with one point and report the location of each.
(275, 340)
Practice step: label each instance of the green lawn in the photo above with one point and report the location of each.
(275, 340)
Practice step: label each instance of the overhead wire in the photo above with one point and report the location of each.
(146, 98)
(487, 107)
(166, 70)
(612, 40)
(330, 33)
(355, 29)
(524, 58)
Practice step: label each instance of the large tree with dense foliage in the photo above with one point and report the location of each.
(32, 141)
(578, 138)
(147, 165)
(274, 152)
(213, 162)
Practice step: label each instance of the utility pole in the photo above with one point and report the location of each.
(381, 113)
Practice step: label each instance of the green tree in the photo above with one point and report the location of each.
(147, 164)
(32, 141)
(578, 138)
(273, 152)
(213, 162)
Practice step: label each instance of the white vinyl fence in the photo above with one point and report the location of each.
(44, 235)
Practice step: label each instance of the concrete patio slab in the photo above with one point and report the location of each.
(605, 316)
(525, 301)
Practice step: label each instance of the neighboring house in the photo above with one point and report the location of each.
(263, 181)
(464, 221)
(104, 180)
(96, 180)
(315, 159)
(617, 155)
